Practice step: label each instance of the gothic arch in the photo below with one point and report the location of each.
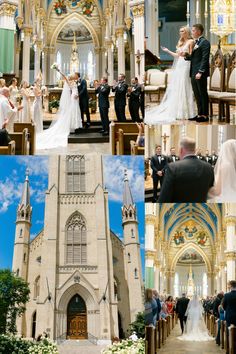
(80, 18)
(185, 248)
(76, 216)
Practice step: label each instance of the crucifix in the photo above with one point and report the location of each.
(138, 60)
(165, 137)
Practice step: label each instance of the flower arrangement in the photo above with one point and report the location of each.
(12, 344)
(127, 346)
(60, 7)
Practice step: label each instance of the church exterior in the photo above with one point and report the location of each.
(85, 282)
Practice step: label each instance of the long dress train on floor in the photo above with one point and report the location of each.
(178, 101)
(38, 114)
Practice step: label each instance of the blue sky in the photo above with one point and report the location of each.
(12, 176)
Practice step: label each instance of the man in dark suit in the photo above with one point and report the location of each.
(158, 165)
(214, 158)
(199, 71)
(180, 309)
(83, 99)
(172, 157)
(103, 91)
(188, 180)
(199, 155)
(207, 157)
(120, 88)
(229, 304)
(134, 99)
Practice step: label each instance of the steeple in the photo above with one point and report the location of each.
(25, 200)
(128, 208)
(24, 210)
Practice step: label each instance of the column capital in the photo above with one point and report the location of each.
(107, 12)
(157, 263)
(7, 9)
(230, 220)
(128, 22)
(120, 32)
(97, 50)
(138, 10)
(27, 30)
(19, 21)
(39, 44)
(230, 256)
(150, 254)
(150, 219)
(222, 264)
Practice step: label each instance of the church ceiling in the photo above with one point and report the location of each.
(74, 27)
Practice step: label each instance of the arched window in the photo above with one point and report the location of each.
(90, 65)
(59, 62)
(136, 273)
(76, 240)
(130, 214)
(21, 232)
(129, 258)
(132, 233)
(24, 258)
(75, 174)
(37, 287)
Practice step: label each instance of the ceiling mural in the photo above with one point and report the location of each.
(82, 34)
(191, 256)
(190, 231)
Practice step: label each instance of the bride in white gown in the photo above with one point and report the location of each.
(178, 101)
(195, 327)
(68, 118)
(224, 189)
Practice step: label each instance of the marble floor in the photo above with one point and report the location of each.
(103, 148)
(175, 346)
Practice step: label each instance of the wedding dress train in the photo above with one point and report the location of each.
(178, 101)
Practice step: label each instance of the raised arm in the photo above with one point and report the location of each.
(173, 54)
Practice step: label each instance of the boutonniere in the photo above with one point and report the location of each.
(196, 46)
(162, 159)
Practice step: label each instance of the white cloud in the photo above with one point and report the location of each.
(37, 165)
(114, 167)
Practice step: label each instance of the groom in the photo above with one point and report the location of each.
(83, 99)
(199, 71)
(180, 310)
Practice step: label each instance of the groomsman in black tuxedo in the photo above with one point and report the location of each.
(103, 91)
(172, 157)
(207, 157)
(142, 98)
(199, 71)
(214, 158)
(120, 88)
(229, 304)
(83, 99)
(199, 155)
(158, 165)
(134, 99)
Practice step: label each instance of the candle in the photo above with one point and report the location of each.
(205, 5)
(187, 7)
(197, 8)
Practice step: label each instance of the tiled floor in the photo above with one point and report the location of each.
(175, 346)
(103, 148)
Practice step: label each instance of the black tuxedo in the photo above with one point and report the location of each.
(200, 157)
(214, 158)
(173, 158)
(103, 103)
(207, 158)
(229, 305)
(180, 309)
(120, 100)
(134, 102)
(4, 137)
(200, 64)
(158, 163)
(83, 99)
(187, 180)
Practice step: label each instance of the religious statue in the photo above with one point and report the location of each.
(74, 58)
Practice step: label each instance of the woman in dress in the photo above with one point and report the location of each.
(14, 93)
(37, 107)
(224, 189)
(68, 118)
(178, 101)
(170, 305)
(25, 116)
(195, 327)
(150, 308)
(2, 83)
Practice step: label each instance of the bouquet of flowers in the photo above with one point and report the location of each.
(55, 66)
(127, 346)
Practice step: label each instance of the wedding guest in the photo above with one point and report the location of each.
(134, 99)
(25, 116)
(120, 88)
(158, 165)
(221, 317)
(141, 135)
(2, 83)
(7, 109)
(170, 305)
(14, 92)
(229, 304)
(188, 180)
(172, 157)
(180, 310)
(103, 91)
(83, 99)
(150, 308)
(37, 106)
(207, 157)
(156, 298)
(214, 158)
(199, 154)
(4, 136)
(142, 98)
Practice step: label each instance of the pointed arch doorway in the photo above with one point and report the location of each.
(77, 318)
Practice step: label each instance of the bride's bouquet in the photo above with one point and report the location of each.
(55, 66)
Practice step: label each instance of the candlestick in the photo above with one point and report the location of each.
(187, 6)
(206, 6)
(197, 9)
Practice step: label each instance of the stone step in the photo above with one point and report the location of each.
(79, 347)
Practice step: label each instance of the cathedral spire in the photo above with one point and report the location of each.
(25, 199)
(127, 196)
(24, 210)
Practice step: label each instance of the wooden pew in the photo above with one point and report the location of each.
(159, 334)
(19, 127)
(120, 136)
(226, 338)
(232, 339)
(222, 334)
(9, 149)
(149, 340)
(212, 325)
(21, 141)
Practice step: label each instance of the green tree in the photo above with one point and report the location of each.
(14, 294)
(138, 325)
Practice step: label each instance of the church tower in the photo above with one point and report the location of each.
(132, 250)
(22, 233)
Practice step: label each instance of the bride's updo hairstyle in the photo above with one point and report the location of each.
(181, 41)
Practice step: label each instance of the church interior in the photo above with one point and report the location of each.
(165, 18)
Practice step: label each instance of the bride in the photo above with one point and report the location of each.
(224, 189)
(195, 327)
(68, 118)
(178, 101)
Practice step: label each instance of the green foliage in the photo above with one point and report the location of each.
(54, 104)
(138, 325)
(14, 345)
(14, 293)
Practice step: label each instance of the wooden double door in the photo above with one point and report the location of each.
(77, 318)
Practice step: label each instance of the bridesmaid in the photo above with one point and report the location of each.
(25, 115)
(14, 92)
(37, 106)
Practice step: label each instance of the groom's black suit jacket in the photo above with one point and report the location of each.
(200, 58)
(187, 180)
(83, 92)
(181, 306)
(229, 305)
(156, 166)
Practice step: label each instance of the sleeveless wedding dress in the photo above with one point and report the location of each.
(195, 327)
(38, 114)
(25, 114)
(178, 101)
(68, 117)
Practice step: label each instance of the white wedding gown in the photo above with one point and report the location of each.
(195, 327)
(68, 119)
(224, 189)
(38, 114)
(178, 101)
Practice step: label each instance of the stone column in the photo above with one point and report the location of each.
(209, 283)
(223, 276)
(137, 8)
(149, 269)
(37, 54)
(157, 276)
(104, 61)
(110, 62)
(97, 65)
(121, 50)
(151, 23)
(26, 53)
(171, 282)
(230, 247)
(17, 60)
